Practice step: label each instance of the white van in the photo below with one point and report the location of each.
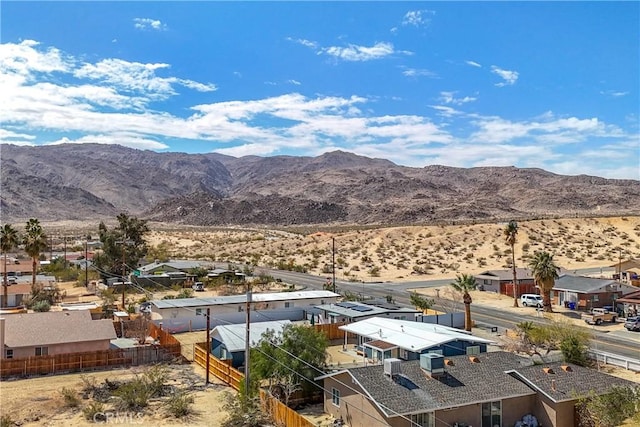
(531, 300)
(198, 286)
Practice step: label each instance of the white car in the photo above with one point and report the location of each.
(531, 300)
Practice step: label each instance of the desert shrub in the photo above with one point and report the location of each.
(179, 404)
(70, 396)
(41, 306)
(155, 378)
(94, 412)
(6, 421)
(133, 395)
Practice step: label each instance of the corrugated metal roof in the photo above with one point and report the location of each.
(409, 335)
(239, 299)
(233, 336)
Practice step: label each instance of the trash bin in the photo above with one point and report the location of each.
(572, 305)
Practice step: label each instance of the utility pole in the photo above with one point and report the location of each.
(247, 343)
(333, 262)
(65, 252)
(206, 381)
(123, 273)
(86, 263)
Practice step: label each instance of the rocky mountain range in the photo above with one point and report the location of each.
(91, 181)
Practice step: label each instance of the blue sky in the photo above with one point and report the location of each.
(532, 84)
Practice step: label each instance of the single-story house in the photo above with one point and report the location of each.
(501, 281)
(588, 292)
(226, 275)
(17, 295)
(628, 271)
(184, 266)
(18, 267)
(228, 341)
(189, 313)
(379, 338)
(351, 311)
(53, 332)
(484, 390)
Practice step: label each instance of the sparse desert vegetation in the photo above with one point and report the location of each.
(406, 253)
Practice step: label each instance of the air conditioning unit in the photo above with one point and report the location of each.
(432, 363)
(392, 367)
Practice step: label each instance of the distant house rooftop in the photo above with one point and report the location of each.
(241, 299)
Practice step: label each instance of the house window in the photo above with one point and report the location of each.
(423, 420)
(8, 354)
(239, 308)
(596, 298)
(335, 396)
(492, 414)
(473, 349)
(199, 311)
(486, 282)
(287, 304)
(42, 351)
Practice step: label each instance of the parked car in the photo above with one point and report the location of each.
(632, 324)
(600, 315)
(145, 307)
(198, 286)
(531, 300)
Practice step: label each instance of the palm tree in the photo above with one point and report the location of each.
(35, 241)
(510, 233)
(545, 273)
(8, 240)
(465, 283)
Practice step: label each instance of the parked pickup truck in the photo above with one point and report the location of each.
(599, 315)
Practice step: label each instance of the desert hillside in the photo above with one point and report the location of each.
(409, 253)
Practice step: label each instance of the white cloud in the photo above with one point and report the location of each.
(148, 24)
(294, 82)
(473, 64)
(614, 93)
(8, 134)
(449, 98)
(418, 72)
(354, 52)
(509, 77)
(418, 18)
(304, 42)
(128, 140)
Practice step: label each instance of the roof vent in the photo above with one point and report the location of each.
(392, 367)
(432, 363)
(566, 368)
(548, 370)
(448, 362)
(553, 385)
(474, 359)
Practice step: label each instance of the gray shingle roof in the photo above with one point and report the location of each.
(464, 383)
(581, 284)
(55, 327)
(522, 273)
(568, 385)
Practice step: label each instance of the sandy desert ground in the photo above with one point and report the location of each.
(408, 253)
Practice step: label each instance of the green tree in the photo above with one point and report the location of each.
(545, 273)
(8, 240)
(540, 339)
(510, 234)
(465, 283)
(610, 409)
(122, 246)
(419, 302)
(294, 357)
(35, 241)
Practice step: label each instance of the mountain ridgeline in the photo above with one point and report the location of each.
(92, 181)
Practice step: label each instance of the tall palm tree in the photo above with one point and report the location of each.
(545, 273)
(35, 241)
(465, 283)
(8, 240)
(510, 233)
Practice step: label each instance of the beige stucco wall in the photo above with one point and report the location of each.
(555, 414)
(512, 410)
(356, 410)
(63, 348)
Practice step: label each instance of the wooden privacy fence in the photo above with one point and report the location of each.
(332, 332)
(163, 336)
(280, 413)
(91, 360)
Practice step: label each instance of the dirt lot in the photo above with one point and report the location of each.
(38, 401)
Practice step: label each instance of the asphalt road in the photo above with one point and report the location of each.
(622, 343)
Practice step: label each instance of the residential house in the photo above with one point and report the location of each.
(228, 342)
(53, 332)
(484, 390)
(588, 292)
(189, 313)
(225, 275)
(18, 267)
(630, 303)
(17, 295)
(628, 271)
(351, 311)
(379, 339)
(184, 266)
(167, 274)
(501, 281)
